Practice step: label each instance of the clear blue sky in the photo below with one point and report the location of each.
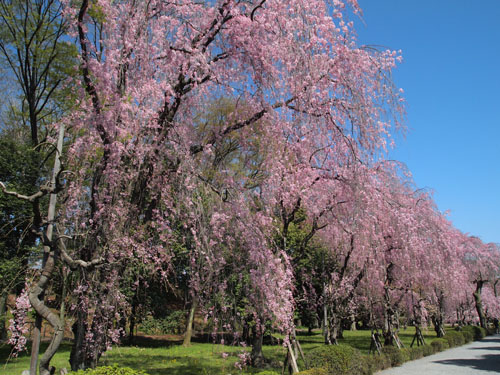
(451, 78)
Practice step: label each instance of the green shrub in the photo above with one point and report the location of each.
(311, 371)
(428, 350)
(468, 335)
(173, 323)
(385, 361)
(416, 352)
(109, 370)
(477, 332)
(490, 331)
(454, 338)
(337, 359)
(438, 345)
(396, 356)
(375, 363)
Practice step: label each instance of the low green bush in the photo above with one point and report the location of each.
(396, 356)
(468, 335)
(438, 345)
(490, 331)
(428, 350)
(416, 352)
(109, 370)
(311, 371)
(271, 372)
(173, 323)
(454, 338)
(337, 359)
(477, 332)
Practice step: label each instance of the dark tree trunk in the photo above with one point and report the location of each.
(77, 355)
(256, 356)
(3, 315)
(479, 303)
(438, 325)
(388, 327)
(131, 337)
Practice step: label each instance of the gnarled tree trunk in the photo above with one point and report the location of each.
(37, 292)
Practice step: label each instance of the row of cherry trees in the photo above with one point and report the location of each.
(236, 147)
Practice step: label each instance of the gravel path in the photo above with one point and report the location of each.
(478, 357)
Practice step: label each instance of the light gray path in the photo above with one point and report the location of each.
(476, 358)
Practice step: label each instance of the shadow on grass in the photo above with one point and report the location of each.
(5, 350)
(361, 343)
(153, 342)
(154, 364)
(485, 363)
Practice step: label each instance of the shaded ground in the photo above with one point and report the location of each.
(477, 358)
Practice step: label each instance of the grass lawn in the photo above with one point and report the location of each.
(161, 357)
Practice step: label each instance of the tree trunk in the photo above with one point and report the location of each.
(353, 323)
(388, 327)
(256, 356)
(44, 312)
(37, 292)
(438, 325)
(326, 325)
(479, 303)
(3, 315)
(79, 328)
(131, 337)
(189, 326)
(334, 329)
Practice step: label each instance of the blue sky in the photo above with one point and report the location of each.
(451, 78)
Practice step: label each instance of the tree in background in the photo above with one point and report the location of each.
(39, 63)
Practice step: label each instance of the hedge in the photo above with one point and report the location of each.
(477, 332)
(397, 356)
(338, 360)
(438, 345)
(454, 338)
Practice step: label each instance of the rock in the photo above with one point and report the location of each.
(26, 372)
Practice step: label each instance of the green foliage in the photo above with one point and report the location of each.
(468, 335)
(396, 356)
(375, 363)
(427, 350)
(337, 359)
(477, 332)
(172, 323)
(454, 338)
(269, 372)
(109, 370)
(312, 371)
(19, 171)
(438, 345)
(415, 352)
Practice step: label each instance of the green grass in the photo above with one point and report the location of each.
(163, 357)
